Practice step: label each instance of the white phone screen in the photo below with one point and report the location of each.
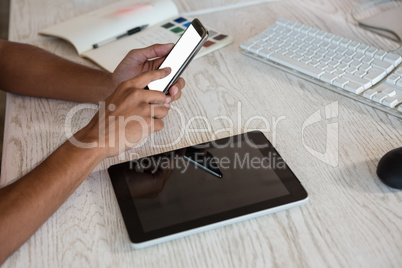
(176, 58)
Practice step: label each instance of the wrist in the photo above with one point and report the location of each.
(108, 86)
(87, 140)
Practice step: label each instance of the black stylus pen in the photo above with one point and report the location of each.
(215, 172)
(129, 32)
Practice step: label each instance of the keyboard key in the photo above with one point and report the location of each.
(328, 77)
(362, 48)
(393, 58)
(353, 45)
(305, 29)
(330, 69)
(345, 42)
(369, 94)
(337, 39)
(399, 83)
(371, 51)
(309, 54)
(354, 87)
(325, 44)
(379, 97)
(298, 57)
(367, 59)
(351, 70)
(390, 92)
(320, 34)
(375, 75)
(338, 57)
(347, 60)
(280, 29)
(265, 52)
(358, 56)
(289, 54)
(305, 60)
(393, 78)
(291, 24)
(255, 48)
(282, 51)
(338, 73)
(302, 51)
(388, 67)
(342, 66)
(294, 48)
(297, 27)
(362, 81)
(391, 101)
(364, 67)
(314, 63)
(326, 60)
(329, 37)
(341, 50)
(313, 32)
(317, 57)
(314, 48)
(333, 47)
(340, 82)
(350, 53)
(359, 73)
(380, 54)
(247, 44)
(333, 63)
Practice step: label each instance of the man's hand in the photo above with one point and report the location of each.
(142, 60)
(131, 114)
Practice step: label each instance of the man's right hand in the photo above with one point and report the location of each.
(130, 114)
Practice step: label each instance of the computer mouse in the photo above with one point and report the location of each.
(389, 168)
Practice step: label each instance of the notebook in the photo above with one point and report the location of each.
(103, 35)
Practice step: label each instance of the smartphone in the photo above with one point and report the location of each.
(181, 55)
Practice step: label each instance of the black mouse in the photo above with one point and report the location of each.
(389, 168)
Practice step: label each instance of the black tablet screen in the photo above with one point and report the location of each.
(203, 180)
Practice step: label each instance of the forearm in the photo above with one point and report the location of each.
(26, 204)
(31, 71)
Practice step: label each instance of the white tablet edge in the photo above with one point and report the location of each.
(217, 225)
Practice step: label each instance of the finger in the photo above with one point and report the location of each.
(142, 80)
(180, 83)
(157, 62)
(155, 51)
(158, 124)
(174, 93)
(134, 93)
(156, 97)
(175, 90)
(176, 87)
(159, 111)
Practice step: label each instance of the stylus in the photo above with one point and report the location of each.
(127, 33)
(217, 173)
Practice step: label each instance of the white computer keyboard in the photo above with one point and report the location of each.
(364, 73)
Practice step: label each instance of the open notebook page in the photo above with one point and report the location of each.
(110, 55)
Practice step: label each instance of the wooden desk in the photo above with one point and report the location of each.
(352, 219)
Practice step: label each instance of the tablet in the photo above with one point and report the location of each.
(201, 187)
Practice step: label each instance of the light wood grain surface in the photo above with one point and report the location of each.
(351, 220)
